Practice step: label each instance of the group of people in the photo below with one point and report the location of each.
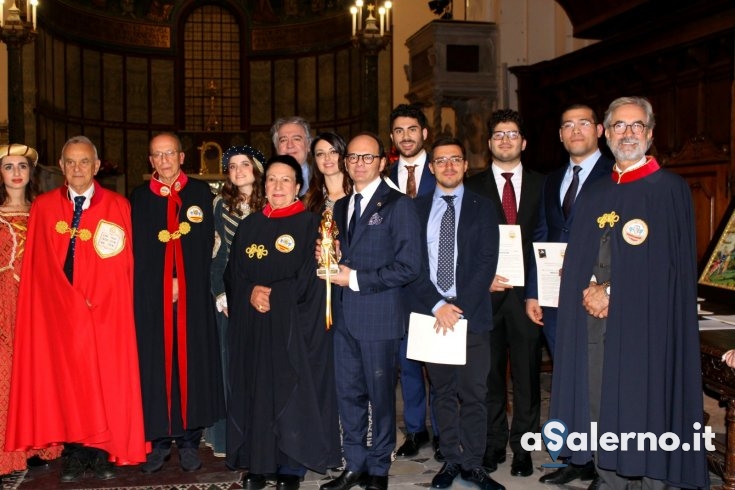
(172, 316)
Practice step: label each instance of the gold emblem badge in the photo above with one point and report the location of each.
(608, 219)
(177, 186)
(109, 239)
(195, 214)
(258, 251)
(635, 231)
(285, 243)
(165, 190)
(82, 233)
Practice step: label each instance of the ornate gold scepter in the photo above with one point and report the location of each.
(328, 263)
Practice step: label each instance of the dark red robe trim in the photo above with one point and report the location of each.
(644, 171)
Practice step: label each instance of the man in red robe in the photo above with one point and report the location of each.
(75, 372)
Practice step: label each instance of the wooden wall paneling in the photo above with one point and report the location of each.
(284, 88)
(306, 89)
(91, 91)
(161, 92)
(137, 89)
(112, 84)
(59, 74)
(136, 161)
(325, 86)
(73, 74)
(261, 96)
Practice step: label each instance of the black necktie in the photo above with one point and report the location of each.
(571, 194)
(355, 217)
(445, 263)
(69, 262)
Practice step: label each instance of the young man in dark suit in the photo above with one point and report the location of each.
(411, 173)
(453, 284)
(514, 335)
(380, 237)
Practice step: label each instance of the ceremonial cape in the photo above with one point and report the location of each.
(204, 398)
(75, 368)
(283, 397)
(651, 380)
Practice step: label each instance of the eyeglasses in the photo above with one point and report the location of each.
(445, 161)
(367, 158)
(512, 135)
(324, 154)
(621, 127)
(583, 125)
(167, 155)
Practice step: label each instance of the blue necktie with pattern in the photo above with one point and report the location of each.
(69, 262)
(445, 266)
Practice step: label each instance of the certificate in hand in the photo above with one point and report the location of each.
(425, 344)
(510, 257)
(549, 260)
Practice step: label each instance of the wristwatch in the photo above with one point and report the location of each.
(606, 288)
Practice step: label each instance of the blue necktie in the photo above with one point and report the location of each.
(355, 217)
(69, 262)
(445, 266)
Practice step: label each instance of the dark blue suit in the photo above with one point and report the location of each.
(463, 428)
(554, 227)
(413, 389)
(369, 324)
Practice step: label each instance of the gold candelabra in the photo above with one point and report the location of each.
(17, 27)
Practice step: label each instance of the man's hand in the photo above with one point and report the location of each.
(499, 284)
(534, 311)
(446, 317)
(342, 278)
(260, 298)
(729, 358)
(318, 250)
(175, 290)
(595, 300)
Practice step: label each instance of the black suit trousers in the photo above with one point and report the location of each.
(516, 338)
(459, 403)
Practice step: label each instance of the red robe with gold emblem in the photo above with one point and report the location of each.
(75, 369)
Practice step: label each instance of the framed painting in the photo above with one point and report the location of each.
(717, 271)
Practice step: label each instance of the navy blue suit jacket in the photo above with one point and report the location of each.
(383, 252)
(477, 258)
(427, 183)
(552, 226)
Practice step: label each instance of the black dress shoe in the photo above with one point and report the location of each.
(522, 465)
(375, 482)
(446, 475)
(36, 463)
(347, 479)
(492, 458)
(596, 484)
(103, 469)
(72, 469)
(253, 481)
(412, 444)
(438, 455)
(288, 482)
(479, 477)
(569, 473)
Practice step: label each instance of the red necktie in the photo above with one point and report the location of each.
(509, 199)
(411, 181)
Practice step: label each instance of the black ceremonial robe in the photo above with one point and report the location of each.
(651, 374)
(282, 409)
(205, 394)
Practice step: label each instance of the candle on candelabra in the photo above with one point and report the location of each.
(388, 5)
(381, 11)
(2, 12)
(359, 4)
(353, 11)
(28, 10)
(34, 5)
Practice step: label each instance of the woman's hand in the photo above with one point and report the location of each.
(260, 299)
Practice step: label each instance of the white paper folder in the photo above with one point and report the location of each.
(425, 344)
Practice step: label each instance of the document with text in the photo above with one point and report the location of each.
(510, 257)
(425, 344)
(549, 258)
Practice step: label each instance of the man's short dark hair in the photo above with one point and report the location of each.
(578, 106)
(505, 115)
(448, 141)
(408, 110)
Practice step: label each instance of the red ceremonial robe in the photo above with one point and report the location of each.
(75, 369)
